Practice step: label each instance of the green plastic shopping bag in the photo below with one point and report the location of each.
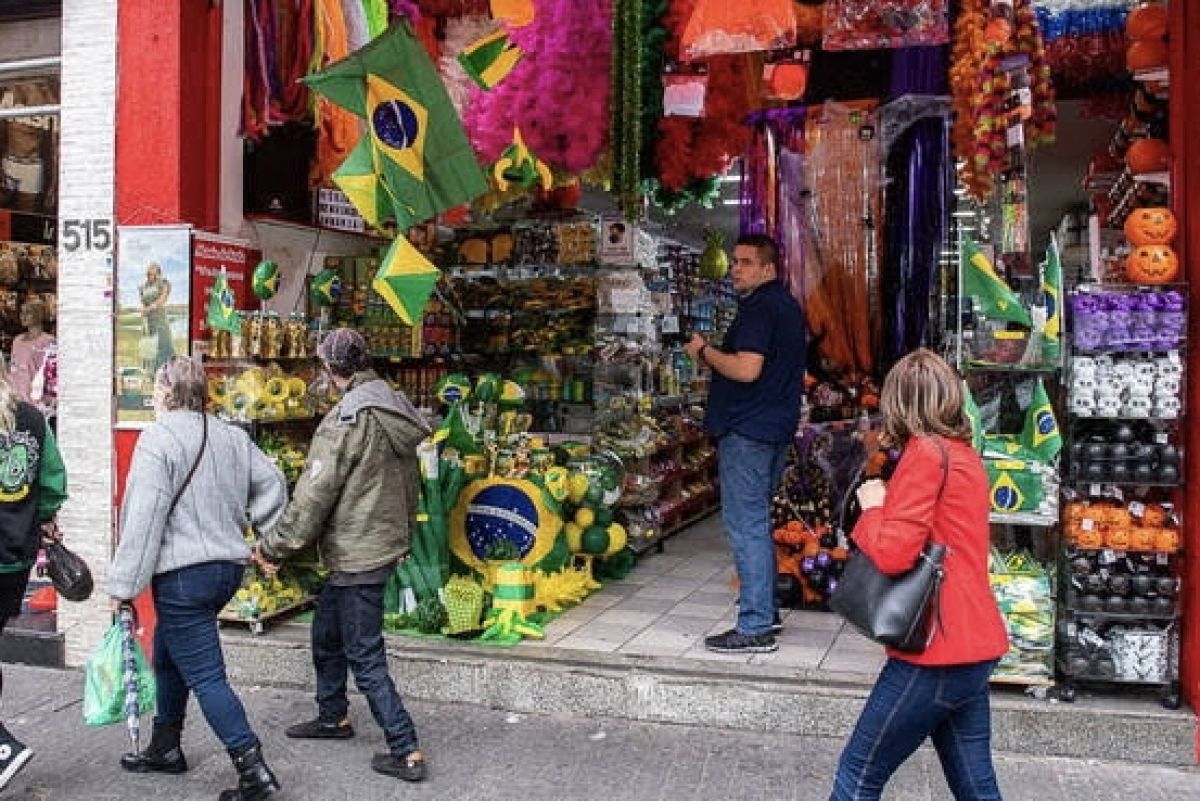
(117, 679)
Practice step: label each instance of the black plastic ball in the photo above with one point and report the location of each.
(1142, 584)
(1119, 472)
(1144, 473)
(1168, 474)
(1115, 605)
(1168, 454)
(1124, 433)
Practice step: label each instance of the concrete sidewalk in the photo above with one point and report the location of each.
(478, 754)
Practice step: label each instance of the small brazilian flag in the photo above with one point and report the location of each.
(490, 59)
(1013, 486)
(1040, 434)
(1052, 286)
(979, 280)
(222, 316)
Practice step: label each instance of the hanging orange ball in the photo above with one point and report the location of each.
(1154, 225)
(1146, 54)
(1147, 21)
(786, 81)
(1148, 155)
(1152, 264)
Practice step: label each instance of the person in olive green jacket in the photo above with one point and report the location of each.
(357, 500)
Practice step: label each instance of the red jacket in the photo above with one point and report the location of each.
(893, 535)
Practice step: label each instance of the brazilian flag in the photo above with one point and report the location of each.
(1040, 433)
(405, 280)
(1014, 485)
(222, 316)
(980, 280)
(1052, 287)
(490, 59)
(415, 161)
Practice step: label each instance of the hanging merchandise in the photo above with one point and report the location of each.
(628, 98)
(992, 295)
(489, 59)
(774, 188)
(1024, 591)
(839, 264)
(916, 148)
(278, 54)
(718, 27)
(866, 24)
(222, 314)
(415, 159)
(458, 34)
(568, 50)
(1085, 44)
(517, 165)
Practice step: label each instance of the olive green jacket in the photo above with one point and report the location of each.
(357, 496)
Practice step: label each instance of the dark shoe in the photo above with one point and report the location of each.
(255, 779)
(316, 730)
(163, 755)
(733, 642)
(410, 768)
(777, 625)
(13, 756)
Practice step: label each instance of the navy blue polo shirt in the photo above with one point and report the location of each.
(769, 321)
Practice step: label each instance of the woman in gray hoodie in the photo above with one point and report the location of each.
(193, 486)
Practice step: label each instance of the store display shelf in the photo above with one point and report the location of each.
(1023, 681)
(1099, 485)
(257, 623)
(689, 520)
(1094, 677)
(278, 222)
(1126, 616)
(1156, 75)
(254, 360)
(1030, 519)
(1122, 554)
(1179, 348)
(1124, 418)
(1000, 367)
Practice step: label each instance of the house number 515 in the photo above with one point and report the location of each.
(86, 235)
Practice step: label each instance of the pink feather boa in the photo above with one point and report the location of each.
(558, 95)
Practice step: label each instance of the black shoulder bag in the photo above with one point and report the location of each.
(896, 611)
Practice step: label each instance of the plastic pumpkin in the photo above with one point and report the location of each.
(1147, 21)
(1146, 54)
(1148, 155)
(1154, 225)
(1152, 264)
(1117, 539)
(1143, 539)
(1167, 540)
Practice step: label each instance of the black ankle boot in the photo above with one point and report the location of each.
(255, 779)
(163, 755)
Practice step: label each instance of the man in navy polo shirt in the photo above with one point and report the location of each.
(753, 409)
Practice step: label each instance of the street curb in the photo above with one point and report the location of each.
(548, 680)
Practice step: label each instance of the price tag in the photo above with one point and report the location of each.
(1107, 557)
(1093, 489)
(1137, 508)
(1162, 438)
(1087, 524)
(1173, 356)
(1162, 559)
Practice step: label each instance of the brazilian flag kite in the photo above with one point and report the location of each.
(1052, 288)
(222, 316)
(980, 280)
(405, 280)
(415, 160)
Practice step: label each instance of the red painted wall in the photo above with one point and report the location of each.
(1185, 196)
(168, 147)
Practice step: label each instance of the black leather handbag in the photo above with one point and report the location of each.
(897, 611)
(70, 574)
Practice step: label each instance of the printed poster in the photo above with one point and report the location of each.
(153, 320)
(210, 253)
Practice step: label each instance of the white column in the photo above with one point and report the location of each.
(233, 46)
(85, 302)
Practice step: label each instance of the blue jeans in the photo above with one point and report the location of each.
(187, 649)
(347, 632)
(909, 703)
(750, 471)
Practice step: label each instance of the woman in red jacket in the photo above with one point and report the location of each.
(939, 491)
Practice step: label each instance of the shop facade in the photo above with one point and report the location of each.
(123, 100)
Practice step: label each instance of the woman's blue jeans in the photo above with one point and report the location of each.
(187, 649)
(909, 703)
(749, 471)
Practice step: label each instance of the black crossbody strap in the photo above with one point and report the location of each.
(937, 592)
(199, 455)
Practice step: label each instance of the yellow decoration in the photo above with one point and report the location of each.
(574, 536)
(296, 387)
(556, 483)
(569, 586)
(617, 539)
(509, 508)
(579, 487)
(276, 389)
(513, 588)
(507, 624)
(584, 517)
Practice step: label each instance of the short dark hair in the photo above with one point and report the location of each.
(768, 251)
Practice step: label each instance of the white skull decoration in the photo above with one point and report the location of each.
(1145, 371)
(1109, 389)
(1083, 405)
(1141, 385)
(1083, 365)
(1123, 372)
(1167, 408)
(1109, 406)
(1168, 368)
(1167, 386)
(1083, 385)
(1138, 406)
(1104, 362)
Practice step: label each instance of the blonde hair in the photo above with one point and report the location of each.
(184, 384)
(8, 401)
(922, 395)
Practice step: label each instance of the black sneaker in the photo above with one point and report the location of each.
(734, 642)
(13, 756)
(409, 768)
(777, 625)
(316, 730)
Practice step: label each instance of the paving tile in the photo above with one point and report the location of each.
(706, 611)
(709, 598)
(581, 643)
(661, 643)
(635, 604)
(791, 656)
(853, 663)
(682, 623)
(806, 638)
(700, 570)
(624, 617)
(700, 652)
(805, 618)
(663, 590)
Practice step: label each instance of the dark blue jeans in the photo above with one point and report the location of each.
(347, 632)
(749, 471)
(908, 704)
(187, 649)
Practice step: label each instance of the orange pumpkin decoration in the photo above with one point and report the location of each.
(1090, 539)
(1147, 21)
(1150, 226)
(1148, 155)
(1152, 264)
(786, 81)
(1154, 515)
(1117, 539)
(1143, 539)
(1147, 54)
(1167, 540)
